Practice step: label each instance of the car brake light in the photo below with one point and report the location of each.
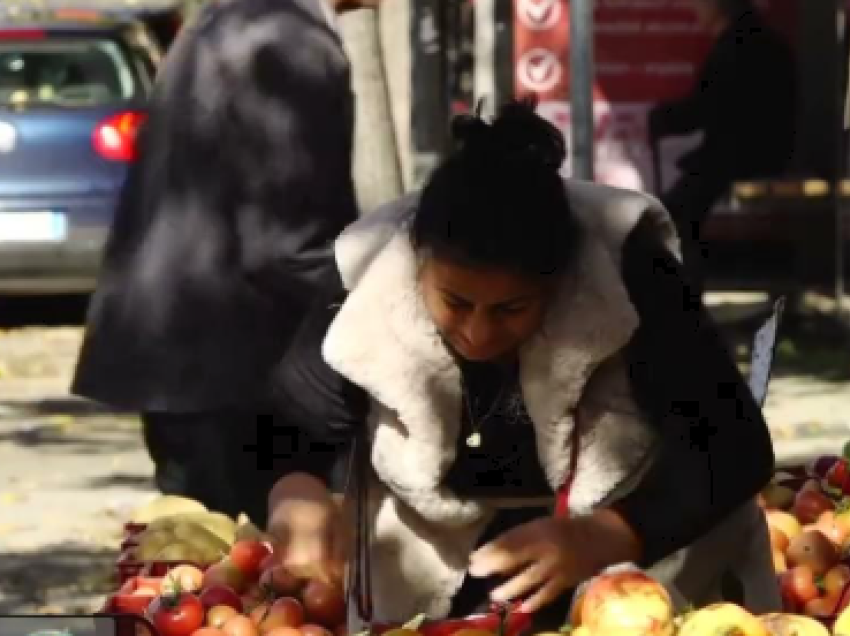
(115, 138)
(21, 34)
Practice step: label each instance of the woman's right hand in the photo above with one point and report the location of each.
(306, 525)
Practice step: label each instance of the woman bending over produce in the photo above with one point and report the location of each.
(502, 337)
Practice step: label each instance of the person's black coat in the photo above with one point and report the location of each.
(224, 228)
(743, 102)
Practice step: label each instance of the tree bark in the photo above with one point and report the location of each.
(377, 167)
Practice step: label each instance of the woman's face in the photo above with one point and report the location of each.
(484, 314)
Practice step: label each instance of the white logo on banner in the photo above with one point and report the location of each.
(539, 70)
(539, 15)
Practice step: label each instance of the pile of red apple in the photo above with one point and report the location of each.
(808, 515)
(247, 593)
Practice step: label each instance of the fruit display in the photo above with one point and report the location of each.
(633, 604)
(244, 593)
(808, 516)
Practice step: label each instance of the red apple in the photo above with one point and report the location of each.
(280, 581)
(798, 584)
(226, 574)
(325, 603)
(221, 595)
(248, 555)
(627, 603)
(314, 630)
(809, 505)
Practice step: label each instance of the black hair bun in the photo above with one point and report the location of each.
(518, 136)
(470, 130)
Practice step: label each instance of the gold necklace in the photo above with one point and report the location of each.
(474, 438)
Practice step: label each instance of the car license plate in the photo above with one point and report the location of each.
(32, 227)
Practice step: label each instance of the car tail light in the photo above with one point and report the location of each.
(21, 34)
(115, 138)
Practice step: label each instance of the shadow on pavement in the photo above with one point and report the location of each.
(65, 577)
(123, 480)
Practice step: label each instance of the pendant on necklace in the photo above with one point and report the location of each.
(474, 440)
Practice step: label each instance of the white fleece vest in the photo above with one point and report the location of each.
(383, 341)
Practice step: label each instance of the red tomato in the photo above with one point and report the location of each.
(268, 562)
(809, 505)
(839, 476)
(178, 615)
(220, 595)
(248, 556)
(325, 604)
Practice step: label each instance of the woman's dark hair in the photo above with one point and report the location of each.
(498, 199)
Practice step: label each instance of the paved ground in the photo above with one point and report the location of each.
(69, 474)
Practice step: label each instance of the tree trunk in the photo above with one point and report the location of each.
(377, 168)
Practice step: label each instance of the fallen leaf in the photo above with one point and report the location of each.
(9, 498)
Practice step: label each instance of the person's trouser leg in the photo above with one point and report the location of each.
(220, 458)
(195, 455)
(165, 440)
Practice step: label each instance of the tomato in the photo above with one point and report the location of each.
(809, 505)
(177, 615)
(836, 580)
(280, 581)
(183, 578)
(221, 595)
(248, 555)
(240, 625)
(839, 476)
(798, 585)
(217, 616)
(325, 604)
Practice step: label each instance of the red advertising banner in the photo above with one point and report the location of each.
(646, 51)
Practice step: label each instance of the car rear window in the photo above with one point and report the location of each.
(69, 72)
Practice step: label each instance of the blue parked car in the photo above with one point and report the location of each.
(73, 89)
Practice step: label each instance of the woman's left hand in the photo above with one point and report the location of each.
(550, 555)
